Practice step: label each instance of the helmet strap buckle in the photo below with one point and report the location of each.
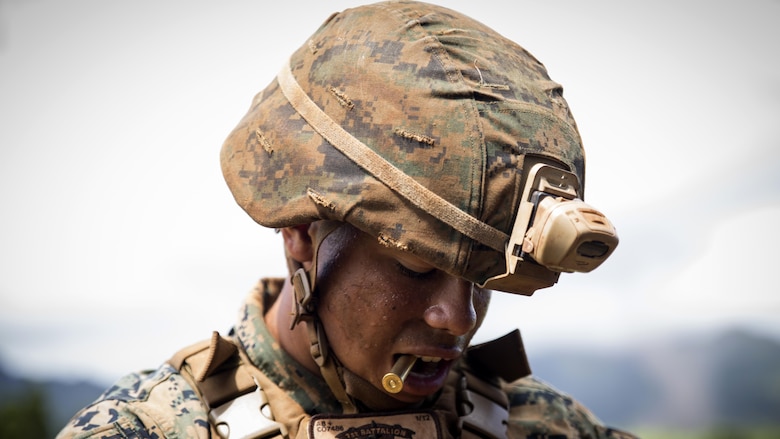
(302, 307)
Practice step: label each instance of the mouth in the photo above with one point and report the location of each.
(427, 375)
(426, 366)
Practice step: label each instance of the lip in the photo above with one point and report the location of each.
(445, 352)
(432, 378)
(424, 384)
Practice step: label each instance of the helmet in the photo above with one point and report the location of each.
(421, 127)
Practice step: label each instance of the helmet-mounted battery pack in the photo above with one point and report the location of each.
(554, 231)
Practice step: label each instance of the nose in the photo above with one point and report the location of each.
(451, 307)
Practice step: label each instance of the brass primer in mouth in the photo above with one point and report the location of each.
(393, 381)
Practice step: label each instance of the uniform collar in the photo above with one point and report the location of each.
(306, 388)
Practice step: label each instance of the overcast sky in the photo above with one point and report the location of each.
(120, 243)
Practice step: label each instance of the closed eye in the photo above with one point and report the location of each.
(408, 272)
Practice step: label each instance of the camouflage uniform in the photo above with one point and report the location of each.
(162, 404)
(418, 126)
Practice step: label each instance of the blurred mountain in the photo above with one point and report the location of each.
(730, 379)
(31, 409)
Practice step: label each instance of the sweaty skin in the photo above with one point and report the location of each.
(377, 303)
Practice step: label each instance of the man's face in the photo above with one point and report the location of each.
(377, 303)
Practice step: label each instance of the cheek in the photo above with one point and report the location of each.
(481, 302)
(360, 315)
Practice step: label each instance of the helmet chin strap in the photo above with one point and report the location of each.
(304, 310)
(345, 385)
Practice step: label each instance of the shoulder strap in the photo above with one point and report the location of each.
(482, 404)
(503, 357)
(227, 386)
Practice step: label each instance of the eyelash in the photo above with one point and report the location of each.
(408, 272)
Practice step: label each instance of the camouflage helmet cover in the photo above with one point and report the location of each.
(445, 100)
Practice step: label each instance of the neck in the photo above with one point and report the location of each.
(294, 342)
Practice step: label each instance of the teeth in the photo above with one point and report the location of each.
(430, 359)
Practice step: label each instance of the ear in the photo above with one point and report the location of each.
(298, 243)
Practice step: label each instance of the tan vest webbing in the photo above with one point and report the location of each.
(221, 373)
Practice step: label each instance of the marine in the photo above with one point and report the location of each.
(414, 162)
